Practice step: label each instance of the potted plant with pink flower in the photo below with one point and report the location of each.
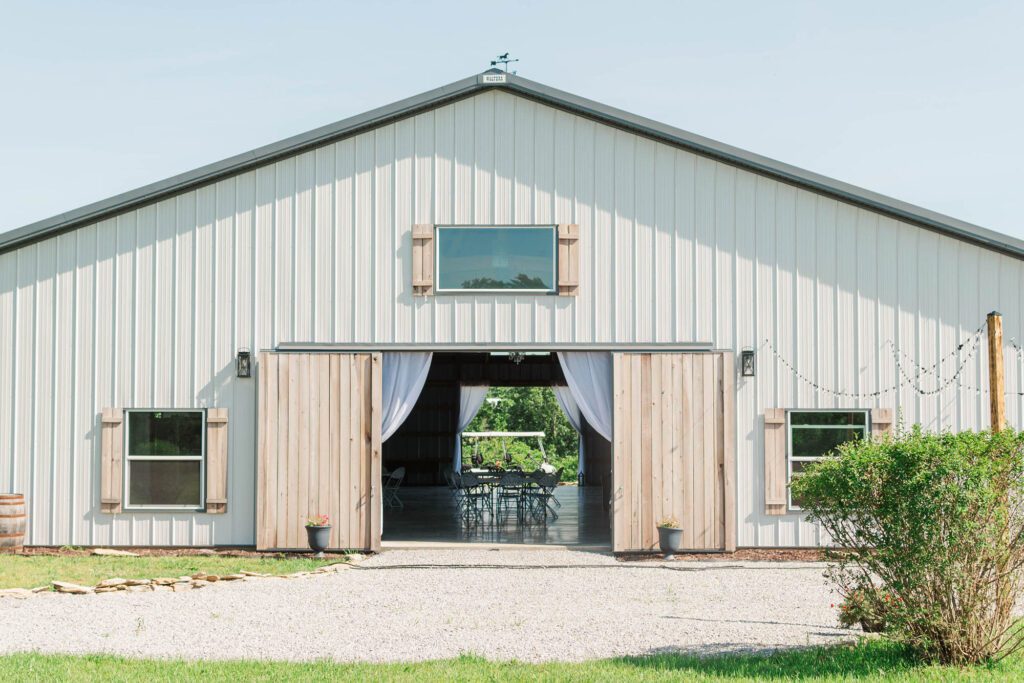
(318, 533)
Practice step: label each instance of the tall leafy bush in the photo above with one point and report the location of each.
(935, 521)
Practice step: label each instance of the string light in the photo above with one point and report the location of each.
(972, 343)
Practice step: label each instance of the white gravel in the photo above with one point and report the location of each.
(403, 605)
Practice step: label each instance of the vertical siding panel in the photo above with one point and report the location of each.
(345, 258)
(384, 234)
(685, 283)
(265, 246)
(806, 312)
(284, 248)
(562, 145)
(304, 294)
(704, 220)
(907, 316)
(585, 212)
(124, 321)
(446, 320)
(8, 365)
(424, 211)
(164, 291)
(624, 235)
(106, 248)
(751, 498)
(324, 286)
(887, 304)
(403, 304)
(63, 391)
(605, 241)
(927, 307)
(362, 252)
(988, 298)
(484, 175)
(784, 334)
(240, 526)
(644, 264)
(746, 239)
(39, 457)
(504, 158)
(971, 316)
(145, 305)
(85, 453)
(868, 344)
(724, 254)
(846, 332)
(480, 139)
(824, 350)
(525, 323)
(664, 276)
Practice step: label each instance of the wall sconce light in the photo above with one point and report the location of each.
(243, 363)
(747, 362)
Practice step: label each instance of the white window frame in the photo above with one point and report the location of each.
(129, 458)
(437, 261)
(790, 458)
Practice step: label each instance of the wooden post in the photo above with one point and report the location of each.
(996, 390)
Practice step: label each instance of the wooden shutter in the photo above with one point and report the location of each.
(881, 421)
(422, 259)
(217, 460)
(775, 475)
(111, 459)
(568, 259)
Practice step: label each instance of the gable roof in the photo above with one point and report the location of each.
(496, 79)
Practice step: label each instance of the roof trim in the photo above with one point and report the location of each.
(496, 79)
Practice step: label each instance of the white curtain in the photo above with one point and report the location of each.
(589, 375)
(403, 375)
(471, 399)
(565, 400)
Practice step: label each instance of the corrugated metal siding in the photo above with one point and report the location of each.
(148, 308)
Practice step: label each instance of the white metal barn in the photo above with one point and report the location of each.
(494, 215)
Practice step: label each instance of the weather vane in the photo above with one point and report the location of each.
(504, 60)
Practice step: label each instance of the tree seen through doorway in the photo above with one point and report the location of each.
(525, 409)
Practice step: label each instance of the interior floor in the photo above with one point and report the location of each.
(430, 514)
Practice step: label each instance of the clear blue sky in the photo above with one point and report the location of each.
(922, 100)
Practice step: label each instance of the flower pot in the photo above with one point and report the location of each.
(670, 540)
(319, 538)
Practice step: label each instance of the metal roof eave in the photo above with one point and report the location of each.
(537, 91)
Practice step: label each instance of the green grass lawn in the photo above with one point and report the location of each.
(873, 660)
(29, 571)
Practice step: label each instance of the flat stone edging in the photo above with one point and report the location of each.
(171, 584)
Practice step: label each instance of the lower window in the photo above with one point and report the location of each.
(813, 434)
(165, 452)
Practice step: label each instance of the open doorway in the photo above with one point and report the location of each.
(489, 454)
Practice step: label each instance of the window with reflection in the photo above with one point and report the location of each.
(814, 434)
(164, 450)
(496, 258)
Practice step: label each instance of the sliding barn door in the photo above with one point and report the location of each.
(319, 448)
(673, 449)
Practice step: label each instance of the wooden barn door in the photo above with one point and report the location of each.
(319, 448)
(673, 450)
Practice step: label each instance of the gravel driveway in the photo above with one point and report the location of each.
(531, 605)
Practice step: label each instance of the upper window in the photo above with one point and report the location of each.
(497, 259)
(813, 434)
(164, 452)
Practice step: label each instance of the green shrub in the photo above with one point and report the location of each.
(935, 521)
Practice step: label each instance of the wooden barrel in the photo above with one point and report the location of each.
(13, 521)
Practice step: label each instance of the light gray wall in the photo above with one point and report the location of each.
(147, 309)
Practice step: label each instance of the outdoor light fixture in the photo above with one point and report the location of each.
(747, 362)
(243, 363)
